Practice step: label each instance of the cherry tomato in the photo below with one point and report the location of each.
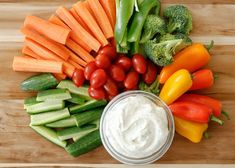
(97, 93)
(109, 51)
(78, 77)
(131, 80)
(102, 61)
(109, 97)
(124, 62)
(120, 86)
(111, 87)
(89, 69)
(113, 42)
(98, 78)
(150, 76)
(117, 73)
(134, 88)
(139, 63)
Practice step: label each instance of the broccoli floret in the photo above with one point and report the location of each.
(186, 40)
(179, 19)
(153, 24)
(161, 53)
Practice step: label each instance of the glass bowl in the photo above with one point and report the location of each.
(148, 159)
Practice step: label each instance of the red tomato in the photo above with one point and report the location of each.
(89, 69)
(117, 73)
(109, 97)
(98, 93)
(109, 51)
(150, 76)
(78, 77)
(124, 62)
(102, 61)
(134, 88)
(98, 78)
(131, 80)
(111, 87)
(139, 63)
(120, 86)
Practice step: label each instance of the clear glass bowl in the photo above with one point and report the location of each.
(137, 161)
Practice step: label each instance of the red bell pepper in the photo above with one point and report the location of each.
(205, 100)
(202, 79)
(193, 112)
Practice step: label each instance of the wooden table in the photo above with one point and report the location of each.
(212, 20)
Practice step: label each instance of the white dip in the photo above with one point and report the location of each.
(136, 127)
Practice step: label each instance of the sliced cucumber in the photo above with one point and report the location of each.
(96, 122)
(87, 106)
(88, 116)
(81, 91)
(67, 122)
(85, 144)
(39, 82)
(45, 106)
(69, 133)
(53, 94)
(30, 101)
(77, 99)
(48, 117)
(49, 134)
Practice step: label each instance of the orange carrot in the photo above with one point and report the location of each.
(59, 77)
(27, 51)
(54, 19)
(76, 58)
(83, 12)
(34, 65)
(101, 18)
(49, 44)
(46, 54)
(27, 56)
(86, 4)
(80, 51)
(75, 64)
(50, 30)
(110, 10)
(79, 20)
(67, 17)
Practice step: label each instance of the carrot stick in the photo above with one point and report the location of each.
(75, 64)
(80, 51)
(50, 30)
(54, 19)
(27, 56)
(46, 54)
(76, 58)
(49, 44)
(67, 17)
(101, 18)
(110, 10)
(34, 65)
(86, 4)
(83, 12)
(59, 76)
(79, 20)
(27, 51)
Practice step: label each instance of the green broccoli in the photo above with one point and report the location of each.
(186, 40)
(153, 24)
(162, 53)
(179, 19)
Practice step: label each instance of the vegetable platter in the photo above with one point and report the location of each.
(19, 144)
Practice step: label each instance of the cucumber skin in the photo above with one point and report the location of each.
(76, 99)
(67, 122)
(52, 94)
(85, 144)
(42, 130)
(88, 116)
(87, 106)
(30, 101)
(39, 82)
(81, 91)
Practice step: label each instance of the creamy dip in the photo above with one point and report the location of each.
(136, 127)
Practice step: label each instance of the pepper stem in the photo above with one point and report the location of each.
(225, 114)
(210, 46)
(215, 119)
(215, 76)
(206, 135)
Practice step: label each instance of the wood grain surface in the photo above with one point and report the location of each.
(212, 20)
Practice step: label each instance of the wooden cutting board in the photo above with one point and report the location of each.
(212, 20)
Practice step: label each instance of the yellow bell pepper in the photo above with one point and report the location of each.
(190, 130)
(179, 83)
